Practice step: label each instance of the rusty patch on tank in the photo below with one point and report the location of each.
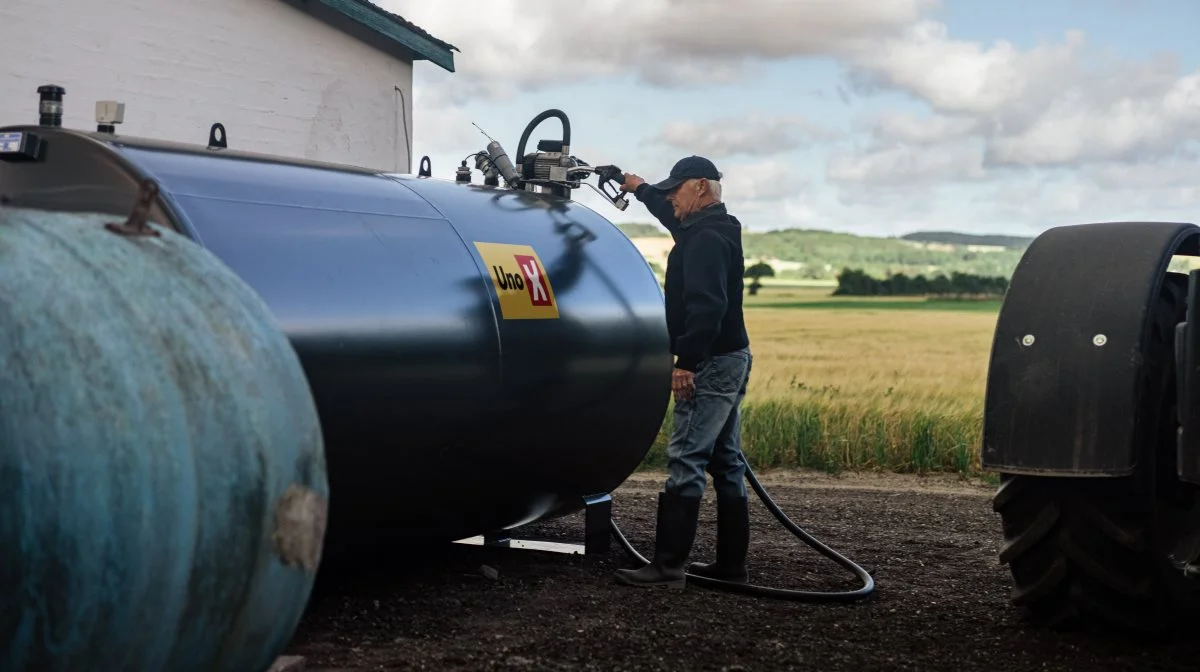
(300, 518)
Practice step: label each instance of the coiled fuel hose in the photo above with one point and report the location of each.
(868, 582)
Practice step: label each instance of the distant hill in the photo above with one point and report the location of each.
(821, 255)
(953, 238)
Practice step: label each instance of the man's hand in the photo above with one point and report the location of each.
(631, 183)
(683, 384)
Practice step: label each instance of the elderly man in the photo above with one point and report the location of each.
(712, 366)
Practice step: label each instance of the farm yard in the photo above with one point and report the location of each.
(929, 542)
(862, 421)
(295, 287)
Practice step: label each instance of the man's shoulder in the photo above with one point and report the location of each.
(724, 227)
(714, 240)
(713, 232)
(724, 220)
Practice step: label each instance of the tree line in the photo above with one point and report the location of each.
(855, 282)
(821, 253)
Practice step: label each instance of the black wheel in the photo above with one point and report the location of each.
(1111, 552)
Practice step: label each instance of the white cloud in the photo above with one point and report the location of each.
(958, 76)
(1085, 125)
(754, 134)
(1053, 105)
(1105, 192)
(770, 180)
(796, 211)
(1055, 134)
(449, 128)
(906, 165)
(1169, 174)
(511, 46)
(891, 126)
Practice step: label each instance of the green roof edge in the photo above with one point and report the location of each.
(392, 28)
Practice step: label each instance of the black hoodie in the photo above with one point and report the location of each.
(704, 280)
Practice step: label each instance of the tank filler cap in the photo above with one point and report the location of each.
(463, 174)
(50, 104)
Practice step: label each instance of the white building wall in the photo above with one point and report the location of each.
(279, 80)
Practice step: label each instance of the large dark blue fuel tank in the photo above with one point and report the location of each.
(480, 357)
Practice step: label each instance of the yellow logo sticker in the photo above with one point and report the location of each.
(520, 281)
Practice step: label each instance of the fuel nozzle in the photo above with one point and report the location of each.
(609, 174)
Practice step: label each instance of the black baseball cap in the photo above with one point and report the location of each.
(687, 168)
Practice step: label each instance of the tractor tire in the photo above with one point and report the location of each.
(1088, 553)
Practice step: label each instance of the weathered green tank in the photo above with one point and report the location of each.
(163, 490)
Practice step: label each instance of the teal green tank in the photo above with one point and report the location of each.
(163, 492)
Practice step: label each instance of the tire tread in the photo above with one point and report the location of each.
(1082, 552)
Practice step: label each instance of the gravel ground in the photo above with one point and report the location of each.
(940, 602)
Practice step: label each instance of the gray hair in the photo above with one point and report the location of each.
(714, 187)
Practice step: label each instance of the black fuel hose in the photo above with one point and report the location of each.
(866, 590)
(533, 123)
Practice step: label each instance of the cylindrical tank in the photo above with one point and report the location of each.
(480, 357)
(162, 476)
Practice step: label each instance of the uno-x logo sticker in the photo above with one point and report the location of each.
(520, 281)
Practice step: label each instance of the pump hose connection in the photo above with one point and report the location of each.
(865, 591)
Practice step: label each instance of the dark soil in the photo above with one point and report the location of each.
(941, 600)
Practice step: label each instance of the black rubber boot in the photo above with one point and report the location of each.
(675, 532)
(733, 541)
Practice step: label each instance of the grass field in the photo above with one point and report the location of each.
(848, 384)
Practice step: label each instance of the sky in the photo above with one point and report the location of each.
(877, 117)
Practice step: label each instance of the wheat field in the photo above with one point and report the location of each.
(866, 386)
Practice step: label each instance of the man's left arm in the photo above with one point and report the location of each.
(706, 264)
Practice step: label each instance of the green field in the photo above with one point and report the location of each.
(862, 384)
(893, 305)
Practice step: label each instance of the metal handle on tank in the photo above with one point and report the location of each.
(136, 224)
(217, 137)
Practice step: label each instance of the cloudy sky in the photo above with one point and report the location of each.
(869, 116)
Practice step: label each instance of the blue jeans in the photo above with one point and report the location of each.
(708, 433)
